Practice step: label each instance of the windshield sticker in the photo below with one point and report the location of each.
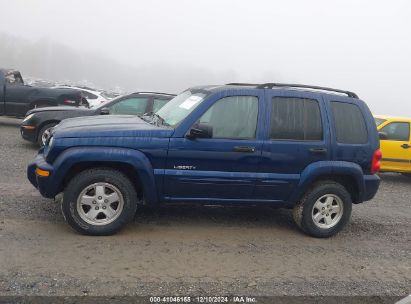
(190, 102)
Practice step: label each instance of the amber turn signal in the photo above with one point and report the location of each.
(41, 172)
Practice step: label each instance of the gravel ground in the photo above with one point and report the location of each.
(197, 250)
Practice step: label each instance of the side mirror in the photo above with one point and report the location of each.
(105, 111)
(200, 131)
(382, 135)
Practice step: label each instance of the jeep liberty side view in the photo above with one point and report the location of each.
(311, 149)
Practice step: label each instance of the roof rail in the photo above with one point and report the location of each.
(158, 93)
(243, 84)
(290, 85)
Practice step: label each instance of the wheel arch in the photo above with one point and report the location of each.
(133, 163)
(125, 168)
(44, 123)
(350, 175)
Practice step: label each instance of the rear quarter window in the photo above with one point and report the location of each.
(349, 123)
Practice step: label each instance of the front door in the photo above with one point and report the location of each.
(221, 168)
(295, 138)
(396, 147)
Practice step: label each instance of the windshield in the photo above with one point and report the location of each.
(180, 107)
(379, 121)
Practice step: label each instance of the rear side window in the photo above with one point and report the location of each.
(158, 104)
(295, 119)
(349, 123)
(397, 131)
(129, 106)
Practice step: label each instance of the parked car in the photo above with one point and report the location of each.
(94, 98)
(395, 141)
(16, 98)
(281, 145)
(37, 124)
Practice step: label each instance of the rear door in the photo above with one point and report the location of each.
(396, 147)
(296, 136)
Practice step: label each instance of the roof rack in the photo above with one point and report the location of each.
(290, 85)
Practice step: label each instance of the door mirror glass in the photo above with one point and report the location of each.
(105, 111)
(202, 130)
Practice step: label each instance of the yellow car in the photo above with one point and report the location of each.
(395, 142)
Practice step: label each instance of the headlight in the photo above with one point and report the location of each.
(28, 117)
(51, 141)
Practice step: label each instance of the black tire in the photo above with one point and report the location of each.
(42, 130)
(89, 177)
(303, 210)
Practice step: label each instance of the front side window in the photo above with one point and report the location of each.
(396, 131)
(233, 117)
(130, 106)
(178, 108)
(349, 123)
(158, 104)
(295, 119)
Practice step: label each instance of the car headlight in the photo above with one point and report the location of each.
(28, 117)
(51, 140)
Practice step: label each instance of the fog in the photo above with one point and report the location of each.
(362, 46)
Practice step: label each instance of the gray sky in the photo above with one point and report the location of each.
(363, 46)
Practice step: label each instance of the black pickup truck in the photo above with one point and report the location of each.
(16, 98)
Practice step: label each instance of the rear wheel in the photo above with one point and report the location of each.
(99, 202)
(44, 133)
(324, 210)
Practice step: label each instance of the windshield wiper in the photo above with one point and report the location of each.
(154, 119)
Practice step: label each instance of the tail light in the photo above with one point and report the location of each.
(376, 161)
(68, 101)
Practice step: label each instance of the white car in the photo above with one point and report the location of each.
(94, 98)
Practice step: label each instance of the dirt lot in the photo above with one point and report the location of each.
(197, 250)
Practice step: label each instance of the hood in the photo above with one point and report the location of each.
(58, 108)
(109, 126)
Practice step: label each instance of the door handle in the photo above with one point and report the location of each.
(405, 146)
(318, 150)
(244, 149)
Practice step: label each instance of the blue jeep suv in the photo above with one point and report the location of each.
(311, 149)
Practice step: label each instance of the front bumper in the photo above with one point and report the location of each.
(28, 133)
(43, 183)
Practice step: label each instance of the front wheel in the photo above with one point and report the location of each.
(99, 202)
(324, 210)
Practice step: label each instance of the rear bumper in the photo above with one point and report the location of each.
(371, 185)
(42, 183)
